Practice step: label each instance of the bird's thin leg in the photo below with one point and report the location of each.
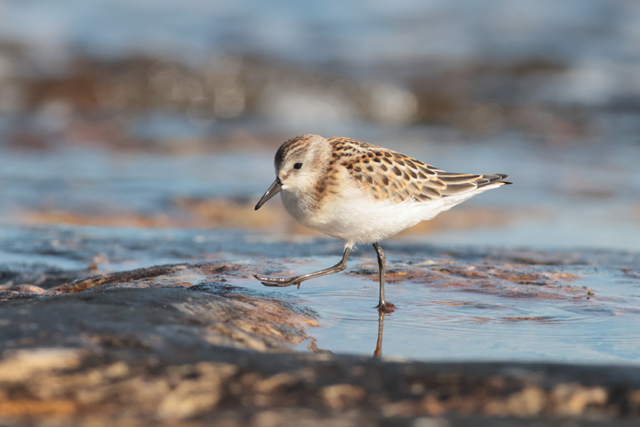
(288, 281)
(382, 304)
(381, 262)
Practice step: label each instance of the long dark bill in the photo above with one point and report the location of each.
(275, 188)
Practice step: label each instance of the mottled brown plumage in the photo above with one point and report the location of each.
(388, 175)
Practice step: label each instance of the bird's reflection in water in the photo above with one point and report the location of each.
(378, 351)
(313, 346)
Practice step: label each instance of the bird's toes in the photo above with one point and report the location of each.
(386, 307)
(282, 283)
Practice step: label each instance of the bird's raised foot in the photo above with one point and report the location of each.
(386, 307)
(280, 282)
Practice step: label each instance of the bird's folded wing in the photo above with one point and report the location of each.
(388, 175)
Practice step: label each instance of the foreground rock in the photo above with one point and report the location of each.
(177, 344)
(164, 310)
(234, 387)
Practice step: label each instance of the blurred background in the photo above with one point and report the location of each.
(143, 116)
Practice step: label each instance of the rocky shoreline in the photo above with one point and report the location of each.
(179, 345)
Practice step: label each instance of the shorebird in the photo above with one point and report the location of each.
(362, 193)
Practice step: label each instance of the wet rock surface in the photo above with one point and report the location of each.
(181, 343)
(153, 310)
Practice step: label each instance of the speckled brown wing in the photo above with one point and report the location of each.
(388, 175)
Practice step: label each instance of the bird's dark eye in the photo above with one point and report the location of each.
(297, 166)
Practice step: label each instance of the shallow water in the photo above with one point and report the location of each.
(435, 322)
(453, 302)
(573, 196)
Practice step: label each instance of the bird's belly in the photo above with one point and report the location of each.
(368, 222)
(358, 220)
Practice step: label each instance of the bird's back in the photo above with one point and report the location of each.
(387, 175)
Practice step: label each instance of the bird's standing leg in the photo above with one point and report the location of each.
(288, 281)
(382, 304)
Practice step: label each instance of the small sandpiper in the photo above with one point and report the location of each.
(362, 193)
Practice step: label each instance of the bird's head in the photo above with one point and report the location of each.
(300, 163)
